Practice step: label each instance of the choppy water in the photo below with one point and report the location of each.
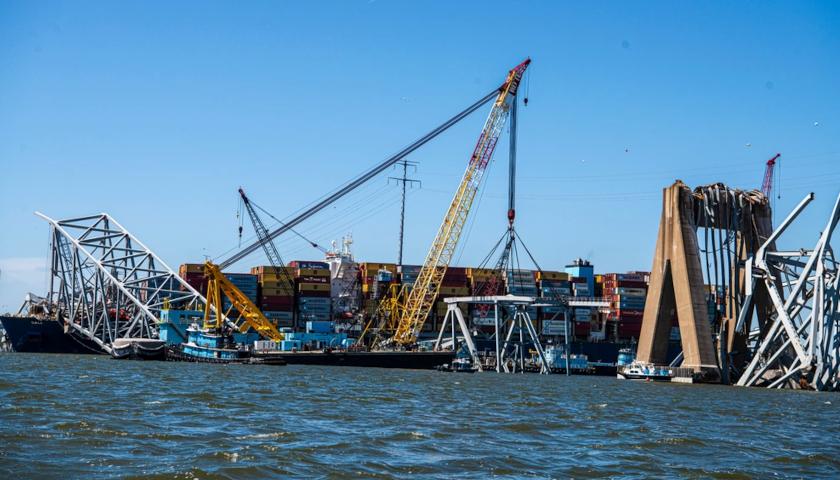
(66, 416)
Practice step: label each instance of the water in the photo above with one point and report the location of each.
(67, 416)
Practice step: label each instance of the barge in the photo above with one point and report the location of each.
(342, 358)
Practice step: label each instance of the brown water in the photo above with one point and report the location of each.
(68, 416)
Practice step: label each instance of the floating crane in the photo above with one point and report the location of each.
(767, 184)
(421, 297)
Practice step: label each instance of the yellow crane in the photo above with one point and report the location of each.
(420, 298)
(249, 316)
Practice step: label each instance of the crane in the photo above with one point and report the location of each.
(767, 184)
(268, 245)
(421, 297)
(250, 315)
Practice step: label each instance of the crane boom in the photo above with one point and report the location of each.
(267, 243)
(421, 298)
(767, 184)
(249, 315)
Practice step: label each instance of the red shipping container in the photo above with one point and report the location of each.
(325, 293)
(582, 328)
(193, 277)
(627, 331)
(629, 321)
(277, 301)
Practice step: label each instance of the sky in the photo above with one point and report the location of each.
(157, 112)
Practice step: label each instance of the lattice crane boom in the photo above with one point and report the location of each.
(767, 184)
(264, 239)
(421, 298)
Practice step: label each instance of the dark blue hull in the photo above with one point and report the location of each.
(34, 335)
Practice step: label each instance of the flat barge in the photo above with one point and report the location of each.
(409, 360)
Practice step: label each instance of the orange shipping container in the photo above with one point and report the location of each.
(314, 287)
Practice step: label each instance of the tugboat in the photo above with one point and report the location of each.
(215, 346)
(210, 346)
(638, 371)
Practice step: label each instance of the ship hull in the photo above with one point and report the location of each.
(35, 335)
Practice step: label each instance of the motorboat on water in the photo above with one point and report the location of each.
(638, 371)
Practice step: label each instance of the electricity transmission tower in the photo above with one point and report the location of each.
(404, 180)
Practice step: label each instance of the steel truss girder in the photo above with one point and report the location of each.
(106, 285)
(799, 347)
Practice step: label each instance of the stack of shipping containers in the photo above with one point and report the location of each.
(276, 294)
(375, 280)
(455, 283)
(408, 274)
(247, 284)
(193, 274)
(312, 285)
(581, 315)
(484, 282)
(626, 293)
(553, 285)
(522, 283)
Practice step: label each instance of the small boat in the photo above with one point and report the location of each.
(463, 365)
(636, 371)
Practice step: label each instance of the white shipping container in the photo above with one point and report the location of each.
(489, 320)
(265, 345)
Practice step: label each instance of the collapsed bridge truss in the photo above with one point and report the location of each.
(798, 346)
(106, 285)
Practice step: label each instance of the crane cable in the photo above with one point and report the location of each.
(314, 244)
(240, 216)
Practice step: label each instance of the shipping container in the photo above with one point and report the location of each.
(308, 264)
(190, 268)
(550, 275)
(272, 271)
(371, 268)
(313, 287)
(453, 291)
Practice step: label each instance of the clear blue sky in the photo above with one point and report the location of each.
(156, 113)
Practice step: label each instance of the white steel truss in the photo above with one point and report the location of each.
(106, 285)
(799, 346)
(505, 359)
